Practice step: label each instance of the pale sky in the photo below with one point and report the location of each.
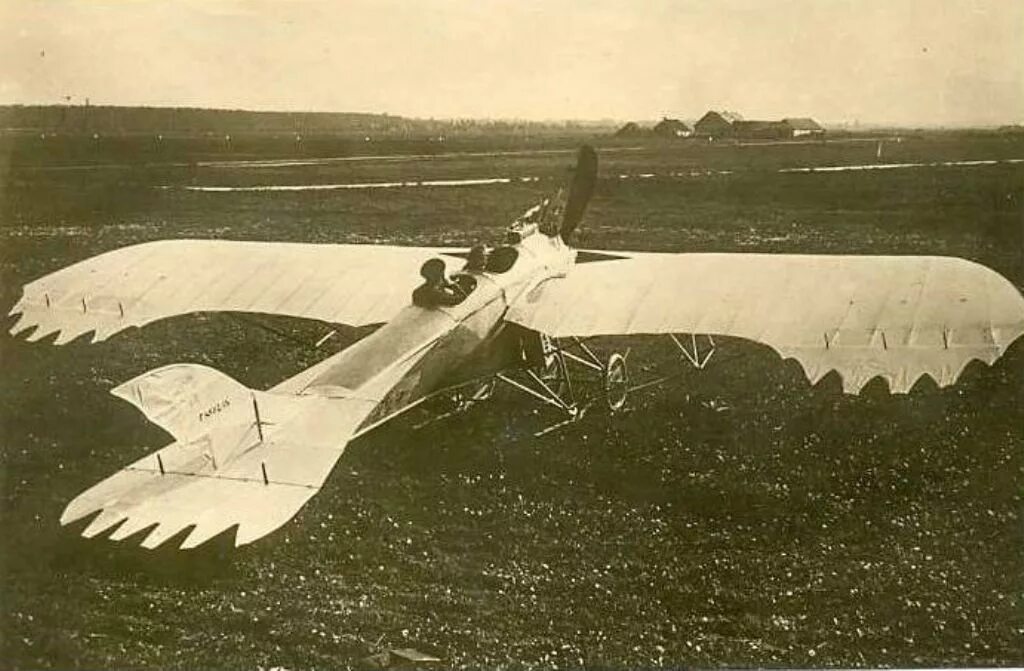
(950, 62)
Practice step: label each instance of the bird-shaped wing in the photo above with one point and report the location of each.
(895, 317)
(137, 285)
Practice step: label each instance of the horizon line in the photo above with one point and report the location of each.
(508, 119)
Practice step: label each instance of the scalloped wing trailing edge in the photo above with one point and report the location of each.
(137, 285)
(894, 317)
(231, 465)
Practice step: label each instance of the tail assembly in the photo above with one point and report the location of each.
(240, 457)
(581, 189)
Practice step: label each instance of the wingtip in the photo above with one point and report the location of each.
(18, 307)
(78, 509)
(67, 517)
(22, 324)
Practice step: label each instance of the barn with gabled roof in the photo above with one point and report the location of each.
(716, 124)
(672, 128)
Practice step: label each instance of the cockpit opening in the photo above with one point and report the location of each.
(502, 259)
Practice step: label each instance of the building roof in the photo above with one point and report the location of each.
(715, 116)
(802, 123)
(671, 124)
(631, 128)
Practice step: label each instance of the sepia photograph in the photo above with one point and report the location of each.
(497, 334)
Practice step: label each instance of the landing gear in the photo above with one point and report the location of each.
(461, 399)
(540, 370)
(694, 354)
(548, 379)
(616, 382)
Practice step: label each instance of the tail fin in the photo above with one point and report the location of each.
(197, 404)
(580, 190)
(241, 458)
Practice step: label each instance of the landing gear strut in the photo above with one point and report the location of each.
(545, 377)
(548, 380)
(542, 373)
(461, 399)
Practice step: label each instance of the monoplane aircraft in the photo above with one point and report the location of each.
(518, 315)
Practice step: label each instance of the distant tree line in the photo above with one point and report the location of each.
(114, 120)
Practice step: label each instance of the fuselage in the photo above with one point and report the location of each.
(423, 351)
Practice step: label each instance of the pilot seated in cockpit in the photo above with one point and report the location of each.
(476, 263)
(476, 260)
(436, 289)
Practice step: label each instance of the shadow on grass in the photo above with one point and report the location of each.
(166, 564)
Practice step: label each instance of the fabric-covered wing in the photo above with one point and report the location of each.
(895, 317)
(133, 286)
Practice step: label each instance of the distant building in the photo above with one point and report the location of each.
(672, 128)
(721, 124)
(716, 124)
(631, 129)
(762, 130)
(803, 126)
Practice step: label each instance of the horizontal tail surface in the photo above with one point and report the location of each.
(241, 457)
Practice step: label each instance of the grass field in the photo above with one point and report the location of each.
(735, 516)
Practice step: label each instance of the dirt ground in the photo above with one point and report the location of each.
(734, 516)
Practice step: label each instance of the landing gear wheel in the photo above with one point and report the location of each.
(616, 382)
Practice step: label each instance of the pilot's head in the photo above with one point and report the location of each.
(433, 271)
(477, 258)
